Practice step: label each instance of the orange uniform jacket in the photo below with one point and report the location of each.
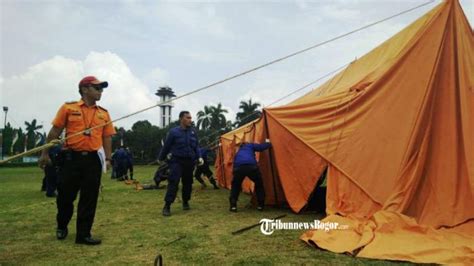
(76, 117)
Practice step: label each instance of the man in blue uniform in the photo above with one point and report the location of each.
(51, 171)
(122, 162)
(204, 169)
(130, 162)
(245, 165)
(181, 149)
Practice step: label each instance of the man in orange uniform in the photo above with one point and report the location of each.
(81, 166)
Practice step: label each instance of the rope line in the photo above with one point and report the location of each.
(280, 99)
(40, 148)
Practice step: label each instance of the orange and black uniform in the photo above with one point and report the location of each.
(81, 169)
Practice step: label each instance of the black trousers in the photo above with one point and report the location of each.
(203, 170)
(252, 172)
(180, 168)
(161, 174)
(51, 179)
(79, 172)
(121, 171)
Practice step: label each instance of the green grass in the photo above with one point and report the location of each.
(134, 232)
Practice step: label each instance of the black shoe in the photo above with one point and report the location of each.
(166, 211)
(88, 241)
(213, 182)
(233, 205)
(186, 206)
(260, 208)
(53, 195)
(61, 233)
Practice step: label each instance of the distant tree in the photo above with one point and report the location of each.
(218, 120)
(144, 140)
(31, 132)
(7, 138)
(204, 118)
(18, 144)
(249, 112)
(212, 123)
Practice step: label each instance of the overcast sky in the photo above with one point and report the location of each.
(47, 46)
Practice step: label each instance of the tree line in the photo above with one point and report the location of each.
(143, 138)
(17, 140)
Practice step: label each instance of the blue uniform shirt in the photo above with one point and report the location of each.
(182, 143)
(121, 157)
(246, 153)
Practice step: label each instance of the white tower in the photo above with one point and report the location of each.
(165, 94)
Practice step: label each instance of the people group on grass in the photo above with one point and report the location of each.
(77, 165)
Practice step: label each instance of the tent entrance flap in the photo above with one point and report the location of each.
(317, 199)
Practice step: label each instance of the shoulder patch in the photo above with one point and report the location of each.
(102, 108)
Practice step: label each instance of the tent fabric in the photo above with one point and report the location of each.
(394, 236)
(228, 147)
(395, 129)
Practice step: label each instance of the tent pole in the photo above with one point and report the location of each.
(222, 164)
(271, 162)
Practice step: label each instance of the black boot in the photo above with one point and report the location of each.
(88, 240)
(186, 206)
(61, 233)
(167, 209)
(213, 182)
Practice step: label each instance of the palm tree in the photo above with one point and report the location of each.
(249, 112)
(31, 132)
(31, 128)
(218, 120)
(204, 118)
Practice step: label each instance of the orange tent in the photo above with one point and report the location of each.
(396, 131)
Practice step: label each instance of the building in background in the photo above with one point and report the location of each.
(165, 94)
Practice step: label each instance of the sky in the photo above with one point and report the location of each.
(47, 46)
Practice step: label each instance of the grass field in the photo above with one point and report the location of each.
(134, 232)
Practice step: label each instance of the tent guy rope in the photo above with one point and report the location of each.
(50, 144)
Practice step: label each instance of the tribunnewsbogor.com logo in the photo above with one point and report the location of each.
(268, 226)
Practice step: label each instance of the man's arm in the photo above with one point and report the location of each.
(53, 134)
(166, 147)
(261, 147)
(200, 161)
(197, 150)
(107, 144)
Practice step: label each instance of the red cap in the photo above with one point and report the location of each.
(92, 80)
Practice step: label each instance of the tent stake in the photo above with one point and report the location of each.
(254, 225)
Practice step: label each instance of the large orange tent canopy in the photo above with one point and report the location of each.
(395, 130)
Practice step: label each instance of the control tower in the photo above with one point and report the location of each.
(165, 94)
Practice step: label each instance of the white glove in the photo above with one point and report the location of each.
(267, 140)
(169, 156)
(200, 161)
